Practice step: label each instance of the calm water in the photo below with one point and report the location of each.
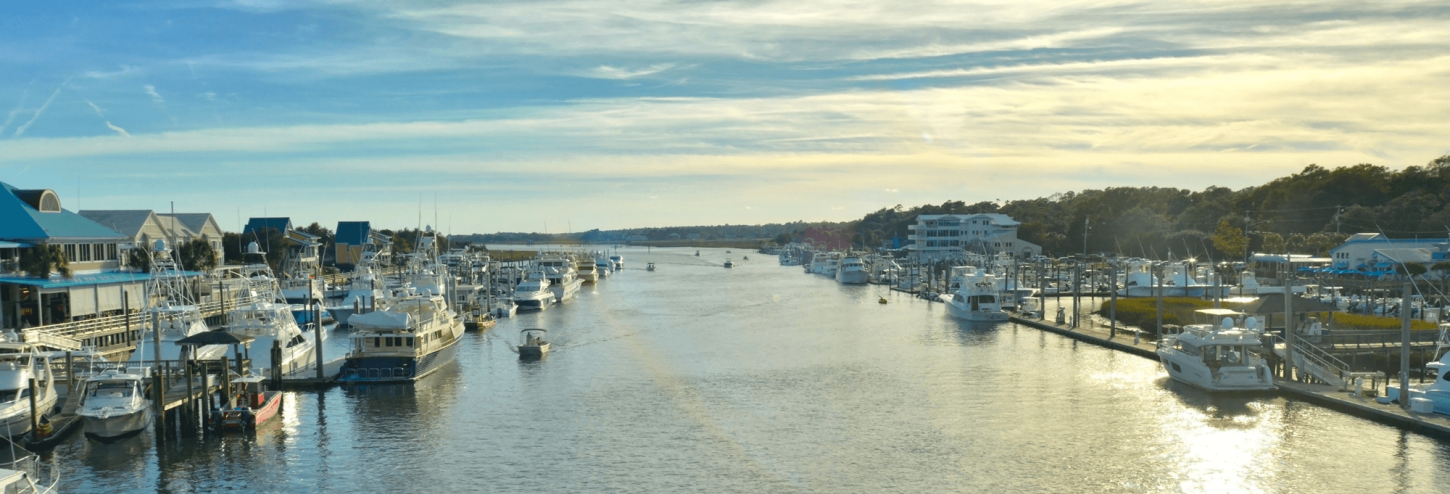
(764, 379)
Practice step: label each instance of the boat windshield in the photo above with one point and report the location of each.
(11, 395)
(111, 390)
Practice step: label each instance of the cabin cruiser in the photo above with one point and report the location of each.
(977, 299)
(851, 271)
(270, 319)
(562, 277)
(19, 363)
(533, 293)
(113, 404)
(585, 271)
(413, 336)
(650, 267)
(173, 311)
(1217, 357)
(618, 261)
(602, 265)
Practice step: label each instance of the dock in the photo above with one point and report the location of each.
(306, 377)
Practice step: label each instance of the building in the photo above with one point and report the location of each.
(144, 227)
(201, 226)
(951, 236)
(355, 239)
(303, 249)
(33, 219)
(1374, 251)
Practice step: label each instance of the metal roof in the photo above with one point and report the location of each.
(86, 279)
(127, 222)
(21, 222)
(13, 245)
(259, 224)
(352, 232)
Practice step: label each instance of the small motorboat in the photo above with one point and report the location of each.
(649, 267)
(534, 345)
(729, 263)
(882, 301)
(113, 405)
(697, 253)
(746, 258)
(254, 406)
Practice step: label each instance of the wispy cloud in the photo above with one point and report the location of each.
(19, 107)
(102, 113)
(19, 131)
(155, 97)
(96, 74)
(608, 72)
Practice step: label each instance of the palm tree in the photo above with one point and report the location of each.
(39, 261)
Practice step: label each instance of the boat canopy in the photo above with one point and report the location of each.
(533, 329)
(381, 320)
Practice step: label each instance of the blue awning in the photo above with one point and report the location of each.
(85, 279)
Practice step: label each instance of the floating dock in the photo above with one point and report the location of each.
(307, 376)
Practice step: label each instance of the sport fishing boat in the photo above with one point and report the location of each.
(1217, 357)
(19, 363)
(1433, 397)
(413, 336)
(113, 405)
(268, 319)
(851, 271)
(253, 407)
(977, 299)
(729, 263)
(617, 261)
(363, 291)
(174, 312)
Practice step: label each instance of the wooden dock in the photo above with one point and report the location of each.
(304, 377)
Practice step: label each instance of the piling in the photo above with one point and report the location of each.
(226, 384)
(70, 373)
(34, 411)
(1288, 328)
(189, 409)
(1113, 305)
(317, 342)
(158, 400)
(276, 363)
(1404, 347)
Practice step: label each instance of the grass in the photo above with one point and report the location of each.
(1143, 312)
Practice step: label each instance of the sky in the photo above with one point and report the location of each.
(556, 116)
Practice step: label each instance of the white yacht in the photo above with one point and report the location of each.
(586, 272)
(1217, 357)
(363, 291)
(851, 271)
(114, 405)
(270, 319)
(413, 336)
(978, 298)
(602, 265)
(174, 312)
(19, 363)
(533, 293)
(618, 261)
(563, 278)
(1433, 397)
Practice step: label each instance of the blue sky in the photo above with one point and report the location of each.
(511, 116)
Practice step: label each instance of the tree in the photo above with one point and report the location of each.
(197, 255)
(138, 259)
(39, 261)
(1274, 243)
(1229, 240)
(1411, 268)
(783, 239)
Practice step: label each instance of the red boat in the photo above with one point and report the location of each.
(254, 405)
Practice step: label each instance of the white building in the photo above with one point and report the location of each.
(947, 236)
(1373, 251)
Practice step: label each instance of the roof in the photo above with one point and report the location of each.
(127, 222)
(996, 218)
(84, 279)
(22, 223)
(352, 232)
(1423, 256)
(1377, 238)
(13, 245)
(259, 224)
(195, 222)
(174, 227)
(1293, 258)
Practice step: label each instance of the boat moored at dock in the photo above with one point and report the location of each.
(113, 405)
(1217, 357)
(19, 364)
(977, 299)
(254, 406)
(409, 339)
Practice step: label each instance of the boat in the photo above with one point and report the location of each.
(363, 290)
(1434, 397)
(254, 406)
(505, 308)
(174, 313)
(563, 278)
(269, 321)
(618, 261)
(977, 299)
(1217, 357)
(729, 263)
(745, 258)
(534, 346)
(585, 271)
(882, 301)
(113, 404)
(697, 253)
(412, 337)
(19, 364)
(649, 267)
(851, 271)
(533, 293)
(24, 475)
(602, 265)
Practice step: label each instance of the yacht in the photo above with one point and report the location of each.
(113, 404)
(19, 363)
(1217, 357)
(175, 314)
(268, 319)
(533, 293)
(977, 299)
(563, 279)
(851, 271)
(618, 261)
(413, 336)
(585, 271)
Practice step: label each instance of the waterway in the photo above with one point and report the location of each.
(764, 379)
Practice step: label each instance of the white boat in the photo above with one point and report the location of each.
(602, 265)
(534, 346)
(617, 261)
(533, 293)
(365, 288)
(412, 337)
(978, 298)
(175, 314)
(586, 272)
(1217, 357)
(268, 319)
(1434, 397)
(25, 475)
(19, 363)
(729, 263)
(650, 267)
(113, 404)
(563, 278)
(851, 271)
(505, 309)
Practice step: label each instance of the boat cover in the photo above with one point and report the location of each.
(381, 320)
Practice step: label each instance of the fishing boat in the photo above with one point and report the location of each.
(176, 316)
(113, 405)
(20, 363)
(1217, 357)
(977, 299)
(534, 346)
(363, 291)
(649, 267)
(269, 321)
(729, 263)
(254, 405)
(617, 261)
(1433, 397)
(412, 337)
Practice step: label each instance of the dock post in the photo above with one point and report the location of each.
(226, 384)
(1159, 283)
(155, 342)
(159, 401)
(70, 373)
(1289, 337)
(34, 411)
(1404, 347)
(189, 409)
(318, 331)
(276, 364)
(1113, 305)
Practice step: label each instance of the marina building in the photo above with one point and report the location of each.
(303, 249)
(951, 236)
(1374, 251)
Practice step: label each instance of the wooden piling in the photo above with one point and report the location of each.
(318, 331)
(34, 411)
(158, 400)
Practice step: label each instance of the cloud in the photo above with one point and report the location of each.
(155, 97)
(607, 72)
(95, 74)
(19, 131)
(120, 131)
(19, 107)
(893, 190)
(99, 111)
(209, 96)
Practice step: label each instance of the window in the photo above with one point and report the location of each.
(70, 251)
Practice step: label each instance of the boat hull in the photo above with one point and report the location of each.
(1187, 370)
(364, 369)
(533, 351)
(851, 277)
(116, 426)
(962, 312)
(247, 418)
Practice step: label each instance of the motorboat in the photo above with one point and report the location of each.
(1434, 397)
(113, 404)
(1217, 357)
(505, 309)
(729, 263)
(602, 265)
(562, 276)
(697, 253)
(254, 405)
(174, 314)
(534, 346)
(363, 290)
(533, 293)
(617, 261)
(851, 271)
(586, 272)
(649, 267)
(745, 258)
(20, 363)
(412, 337)
(977, 299)
(25, 475)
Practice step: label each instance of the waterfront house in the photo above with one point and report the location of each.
(144, 227)
(951, 236)
(303, 249)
